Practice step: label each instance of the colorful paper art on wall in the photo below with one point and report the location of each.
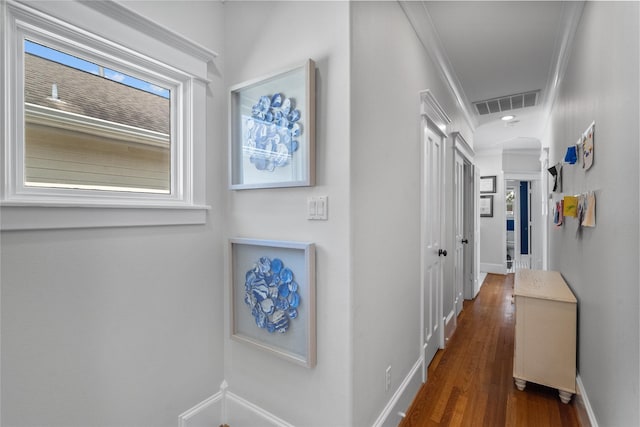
(556, 172)
(271, 133)
(558, 213)
(582, 207)
(571, 156)
(272, 294)
(570, 206)
(587, 210)
(587, 147)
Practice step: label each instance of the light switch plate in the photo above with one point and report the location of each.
(312, 206)
(317, 208)
(321, 208)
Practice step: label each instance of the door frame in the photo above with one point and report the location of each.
(537, 221)
(434, 116)
(458, 235)
(471, 271)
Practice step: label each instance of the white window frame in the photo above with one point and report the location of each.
(122, 40)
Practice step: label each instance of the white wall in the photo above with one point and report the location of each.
(601, 264)
(493, 229)
(113, 326)
(389, 69)
(521, 161)
(263, 37)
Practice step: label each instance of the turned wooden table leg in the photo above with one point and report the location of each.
(565, 396)
(521, 384)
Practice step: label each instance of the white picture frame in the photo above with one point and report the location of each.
(258, 298)
(272, 130)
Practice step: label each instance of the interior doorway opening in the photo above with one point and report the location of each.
(519, 225)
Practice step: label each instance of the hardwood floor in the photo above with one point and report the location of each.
(470, 383)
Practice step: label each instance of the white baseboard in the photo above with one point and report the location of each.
(478, 283)
(481, 277)
(450, 324)
(204, 412)
(241, 412)
(395, 409)
(493, 268)
(583, 400)
(225, 407)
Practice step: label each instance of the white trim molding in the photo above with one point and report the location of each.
(20, 217)
(463, 146)
(135, 20)
(111, 35)
(430, 108)
(422, 24)
(186, 416)
(570, 15)
(493, 268)
(522, 176)
(397, 406)
(450, 325)
(225, 407)
(583, 402)
(266, 418)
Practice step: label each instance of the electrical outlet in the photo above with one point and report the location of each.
(387, 378)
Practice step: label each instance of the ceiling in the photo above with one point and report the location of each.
(493, 49)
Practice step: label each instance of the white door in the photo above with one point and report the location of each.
(476, 232)
(458, 225)
(432, 250)
(470, 253)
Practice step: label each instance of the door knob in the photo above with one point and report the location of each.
(464, 241)
(442, 252)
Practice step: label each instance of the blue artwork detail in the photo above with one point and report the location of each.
(272, 294)
(269, 133)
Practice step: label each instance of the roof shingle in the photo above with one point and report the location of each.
(94, 96)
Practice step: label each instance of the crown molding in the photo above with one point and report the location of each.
(571, 15)
(432, 109)
(462, 146)
(422, 24)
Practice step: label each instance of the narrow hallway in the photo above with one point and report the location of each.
(470, 383)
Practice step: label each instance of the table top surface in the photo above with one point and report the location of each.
(542, 284)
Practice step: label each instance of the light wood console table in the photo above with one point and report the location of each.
(545, 336)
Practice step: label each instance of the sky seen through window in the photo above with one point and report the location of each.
(89, 67)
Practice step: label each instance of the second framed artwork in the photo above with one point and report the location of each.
(486, 206)
(488, 184)
(273, 295)
(272, 130)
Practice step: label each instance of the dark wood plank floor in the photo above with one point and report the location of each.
(470, 383)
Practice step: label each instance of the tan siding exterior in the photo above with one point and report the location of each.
(61, 156)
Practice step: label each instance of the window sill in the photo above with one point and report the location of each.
(27, 216)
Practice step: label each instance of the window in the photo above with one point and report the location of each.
(91, 127)
(95, 121)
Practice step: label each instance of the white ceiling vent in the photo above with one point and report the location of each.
(507, 103)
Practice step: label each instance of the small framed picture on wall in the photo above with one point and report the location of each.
(488, 184)
(273, 297)
(272, 130)
(486, 206)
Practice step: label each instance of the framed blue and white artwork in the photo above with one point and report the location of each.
(273, 297)
(272, 130)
